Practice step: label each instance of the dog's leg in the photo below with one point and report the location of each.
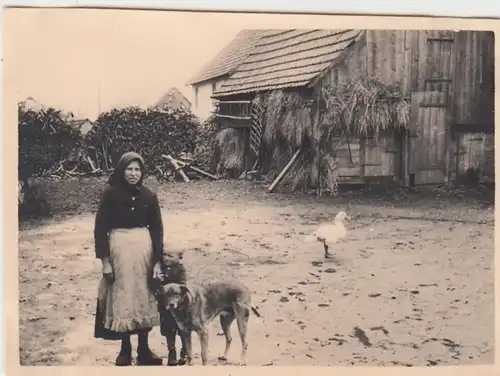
(226, 319)
(242, 315)
(203, 334)
(186, 334)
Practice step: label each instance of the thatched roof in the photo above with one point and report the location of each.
(287, 58)
(228, 59)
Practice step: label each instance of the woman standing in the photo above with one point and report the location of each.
(129, 242)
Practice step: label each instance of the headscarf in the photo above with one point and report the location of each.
(117, 177)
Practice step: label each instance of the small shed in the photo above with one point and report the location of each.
(82, 125)
(173, 99)
(447, 78)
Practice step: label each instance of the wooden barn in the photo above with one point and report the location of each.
(447, 78)
(214, 73)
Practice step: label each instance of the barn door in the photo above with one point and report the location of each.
(428, 138)
(436, 66)
(430, 108)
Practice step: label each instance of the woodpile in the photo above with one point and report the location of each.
(181, 167)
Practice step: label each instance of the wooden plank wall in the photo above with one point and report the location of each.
(351, 66)
(472, 66)
(436, 64)
(487, 111)
(349, 159)
(477, 151)
(409, 59)
(380, 156)
(370, 159)
(389, 57)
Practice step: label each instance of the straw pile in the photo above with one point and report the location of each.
(360, 108)
(363, 107)
(229, 149)
(287, 119)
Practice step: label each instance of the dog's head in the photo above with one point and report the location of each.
(174, 295)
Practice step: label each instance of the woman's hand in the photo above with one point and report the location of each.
(107, 270)
(157, 272)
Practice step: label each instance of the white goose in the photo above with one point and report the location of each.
(330, 233)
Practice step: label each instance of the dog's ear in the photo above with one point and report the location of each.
(185, 292)
(184, 289)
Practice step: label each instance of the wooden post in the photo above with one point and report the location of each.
(315, 125)
(246, 135)
(362, 156)
(399, 140)
(203, 173)
(314, 178)
(451, 111)
(284, 171)
(412, 134)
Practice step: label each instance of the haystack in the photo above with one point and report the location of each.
(229, 149)
(363, 108)
(360, 108)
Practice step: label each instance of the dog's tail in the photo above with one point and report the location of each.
(254, 310)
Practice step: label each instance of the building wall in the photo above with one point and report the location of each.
(409, 58)
(460, 63)
(475, 151)
(474, 77)
(203, 104)
(176, 100)
(465, 57)
(358, 157)
(86, 127)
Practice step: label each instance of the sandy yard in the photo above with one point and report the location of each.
(410, 285)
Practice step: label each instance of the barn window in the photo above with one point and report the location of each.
(234, 109)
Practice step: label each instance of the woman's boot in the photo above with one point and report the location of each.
(125, 356)
(145, 357)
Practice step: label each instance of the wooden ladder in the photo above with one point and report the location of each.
(256, 127)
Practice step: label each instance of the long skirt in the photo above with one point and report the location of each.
(127, 305)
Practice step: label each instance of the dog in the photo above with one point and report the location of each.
(195, 307)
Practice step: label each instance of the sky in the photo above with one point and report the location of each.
(68, 59)
(83, 60)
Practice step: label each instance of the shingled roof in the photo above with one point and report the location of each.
(228, 59)
(287, 58)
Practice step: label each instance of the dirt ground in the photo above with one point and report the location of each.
(412, 284)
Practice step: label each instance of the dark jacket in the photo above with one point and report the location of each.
(125, 206)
